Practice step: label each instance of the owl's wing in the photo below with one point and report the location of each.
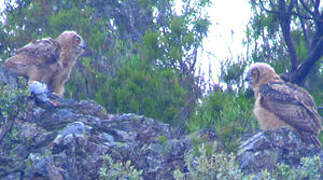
(291, 104)
(44, 51)
(34, 56)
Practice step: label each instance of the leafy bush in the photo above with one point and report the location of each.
(118, 170)
(309, 168)
(210, 166)
(12, 103)
(223, 166)
(229, 114)
(136, 88)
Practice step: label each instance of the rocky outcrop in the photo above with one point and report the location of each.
(267, 148)
(66, 139)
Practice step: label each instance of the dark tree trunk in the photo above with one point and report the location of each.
(285, 12)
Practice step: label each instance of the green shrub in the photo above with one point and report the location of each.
(228, 114)
(137, 88)
(309, 168)
(118, 170)
(210, 166)
(220, 165)
(12, 103)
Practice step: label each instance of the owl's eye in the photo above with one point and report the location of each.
(77, 39)
(254, 73)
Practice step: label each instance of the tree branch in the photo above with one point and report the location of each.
(285, 11)
(304, 68)
(319, 30)
(314, 55)
(264, 8)
(271, 3)
(299, 12)
(285, 20)
(192, 67)
(316, 5)
(306, 8)
(291, 6)
(316, 9)
(307, 43)
(302, 16)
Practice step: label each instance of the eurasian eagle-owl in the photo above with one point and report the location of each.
(48, 60)
(281, 104)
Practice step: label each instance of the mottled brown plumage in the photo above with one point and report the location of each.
(48, 60)
(281, 104)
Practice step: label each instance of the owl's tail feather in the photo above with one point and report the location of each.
(315, 141)
(311, 139)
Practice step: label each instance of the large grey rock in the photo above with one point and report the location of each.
(67, 141)
(267, 148)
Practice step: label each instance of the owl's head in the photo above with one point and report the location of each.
(72, 41)
(261, 73)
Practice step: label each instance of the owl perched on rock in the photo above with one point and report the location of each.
(281, 104)
(49, 61)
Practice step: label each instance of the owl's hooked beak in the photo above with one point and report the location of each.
(248, 76)
(82, 44)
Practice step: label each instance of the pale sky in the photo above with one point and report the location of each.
(1, 5)
(229, 19)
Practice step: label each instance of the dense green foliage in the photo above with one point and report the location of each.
(13, 102)
(230, 115)
(137, 88)
(118, 170)
(219, 165)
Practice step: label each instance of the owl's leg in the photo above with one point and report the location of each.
(58, 89)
